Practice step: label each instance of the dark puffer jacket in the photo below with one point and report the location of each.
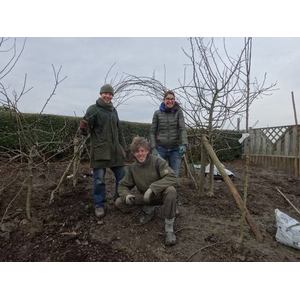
(168, 128)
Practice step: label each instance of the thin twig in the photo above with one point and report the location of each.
(205, 247)
(289, 201)
(187, 228)
(14, 198)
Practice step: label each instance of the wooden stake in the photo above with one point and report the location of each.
(294, 107)
(232, 189)
(238, 124)
(189, 171)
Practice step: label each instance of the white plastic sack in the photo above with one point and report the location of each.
(288, 230)
(216, 172)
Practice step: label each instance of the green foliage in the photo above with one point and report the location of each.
(132, 129)
(226, 146)
(37, 129)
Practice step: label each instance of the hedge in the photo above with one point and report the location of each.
(54, 123)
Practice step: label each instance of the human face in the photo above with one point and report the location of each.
(169, 101)
(106, 97)
(141, 154)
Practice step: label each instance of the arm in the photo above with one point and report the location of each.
(153, 130)
(120, 133)
(89, 118)
(167, 178)
(126, 184)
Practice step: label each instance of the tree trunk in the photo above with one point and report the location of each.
(211, 179)
(29, 185)
(202, 170)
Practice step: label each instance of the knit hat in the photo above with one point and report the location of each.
(107, 88)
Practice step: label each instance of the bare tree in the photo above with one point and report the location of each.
(252, 91)
(214, 92)
(212, 95)
(36, 147)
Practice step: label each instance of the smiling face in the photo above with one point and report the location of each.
(169, 101)
(106, 97)
(141, 154)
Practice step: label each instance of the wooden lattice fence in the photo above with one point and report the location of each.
(277, 147)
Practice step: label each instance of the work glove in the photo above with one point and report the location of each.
(182, 150)
(83, 127)
(130, 199)
(147, 195)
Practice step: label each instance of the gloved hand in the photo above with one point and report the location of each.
(130, 199)
(83, 127)
(182, 150)
(147, 195)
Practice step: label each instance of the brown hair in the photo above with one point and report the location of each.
(138, 142)
(169, 92)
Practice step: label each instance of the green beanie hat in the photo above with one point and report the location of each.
(107, 88)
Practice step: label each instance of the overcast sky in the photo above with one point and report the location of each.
(85, 62)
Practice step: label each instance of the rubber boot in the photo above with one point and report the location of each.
(99, 212)
(170, 237)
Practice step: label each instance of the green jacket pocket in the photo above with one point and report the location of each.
(102, 151)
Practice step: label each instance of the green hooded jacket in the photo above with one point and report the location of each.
(154, 173)
(107, 140)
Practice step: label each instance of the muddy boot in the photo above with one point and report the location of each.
(170, 237)
(99, 212)
(148, 213)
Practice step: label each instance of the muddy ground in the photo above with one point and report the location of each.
(207, 228)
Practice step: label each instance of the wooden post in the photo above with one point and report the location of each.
(232, 188)
(238, 124)
(294, 108)
(202, 171)
(297, 169)
(188, 170)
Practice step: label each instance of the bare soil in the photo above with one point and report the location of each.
(207, 229)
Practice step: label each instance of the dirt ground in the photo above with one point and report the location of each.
(207, 229)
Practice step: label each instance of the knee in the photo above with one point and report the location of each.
(171, 192)
(98, 176)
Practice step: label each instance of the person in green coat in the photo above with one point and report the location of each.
(155, 182)
(107, 144)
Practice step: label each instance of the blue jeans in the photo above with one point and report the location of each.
(172, 156)
(99, 184)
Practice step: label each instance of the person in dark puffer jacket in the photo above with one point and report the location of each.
(168, 134)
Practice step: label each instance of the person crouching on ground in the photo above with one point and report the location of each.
(155, 182)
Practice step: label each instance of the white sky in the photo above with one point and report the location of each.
(86, 60)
